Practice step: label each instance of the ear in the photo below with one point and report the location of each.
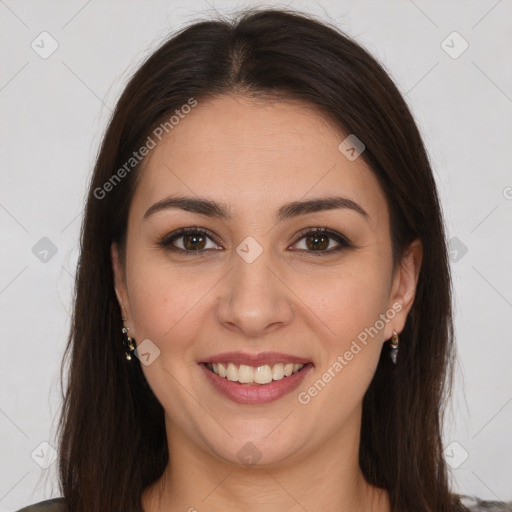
(120, 284)
(403, 288)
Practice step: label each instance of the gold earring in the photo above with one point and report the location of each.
(128, 343)
(394, 346)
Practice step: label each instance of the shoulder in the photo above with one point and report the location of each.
(473, 504)
(53, 505)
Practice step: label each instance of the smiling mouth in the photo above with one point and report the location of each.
(245, 374)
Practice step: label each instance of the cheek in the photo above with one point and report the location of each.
(352, 310)
(167, 308)
(350, 352)
(350, 300)
(165, 301)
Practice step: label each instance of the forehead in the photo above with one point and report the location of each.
(255, 155)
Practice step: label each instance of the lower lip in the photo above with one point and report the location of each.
(256, 393)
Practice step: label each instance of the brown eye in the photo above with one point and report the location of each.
(194, 242)
(189, 240)
(315, 241)
(320, 241)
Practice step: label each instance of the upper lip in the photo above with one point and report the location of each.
(261, 359)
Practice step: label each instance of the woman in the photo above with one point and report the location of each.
(262, 317)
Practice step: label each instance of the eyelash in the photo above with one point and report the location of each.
(166, 241)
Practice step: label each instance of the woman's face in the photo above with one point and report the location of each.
(257, 282)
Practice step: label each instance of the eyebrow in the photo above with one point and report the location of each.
(215, 209)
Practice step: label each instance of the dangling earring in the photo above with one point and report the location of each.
(394, 346)
(128, 343)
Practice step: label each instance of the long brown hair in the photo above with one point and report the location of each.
(112, 434)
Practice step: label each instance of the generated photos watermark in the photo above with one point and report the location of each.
(304, 397)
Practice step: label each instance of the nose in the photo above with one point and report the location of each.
(255, 299)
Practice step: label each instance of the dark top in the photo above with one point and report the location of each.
(53, 505)
(472, 504)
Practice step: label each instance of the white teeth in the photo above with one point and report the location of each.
(232, 372)
(263, 374)
(254, 375)
(245, 374)
(288, 369)
(278, 371)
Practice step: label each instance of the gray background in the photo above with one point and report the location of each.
(54, 111)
